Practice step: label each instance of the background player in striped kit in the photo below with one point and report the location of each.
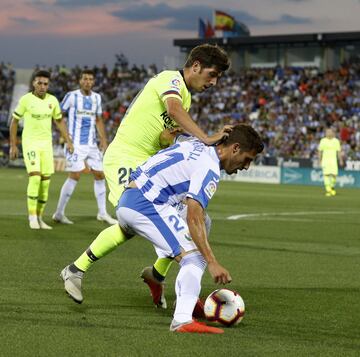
(83, 109)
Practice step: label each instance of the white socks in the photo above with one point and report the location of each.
(188, 286)
(65, 194)
(100, 194)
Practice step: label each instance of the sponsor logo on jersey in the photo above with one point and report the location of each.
(210, 189)
(168, 122)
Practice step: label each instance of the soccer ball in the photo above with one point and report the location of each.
(225, 307)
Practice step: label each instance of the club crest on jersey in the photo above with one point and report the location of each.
(175, 82)
(50, 106)
(210, 189)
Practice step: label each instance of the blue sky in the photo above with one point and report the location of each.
(88, 32)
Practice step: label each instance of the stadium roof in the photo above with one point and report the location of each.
(343, 38)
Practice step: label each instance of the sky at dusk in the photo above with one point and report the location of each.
(88, 32)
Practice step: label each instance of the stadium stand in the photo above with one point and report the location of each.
(7, 82)
(290, 107)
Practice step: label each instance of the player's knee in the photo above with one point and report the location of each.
(35, 173)
(74, 176)
(194, 258)
(98, 175)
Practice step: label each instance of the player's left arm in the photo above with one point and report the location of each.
(340, 156)
(197, 228)
(100, 127)
(60, 124)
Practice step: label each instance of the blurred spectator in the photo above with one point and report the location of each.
(290, 107)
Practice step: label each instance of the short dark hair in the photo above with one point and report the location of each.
(87, 71)
(41, 73)
(247, 137)
(209, 56)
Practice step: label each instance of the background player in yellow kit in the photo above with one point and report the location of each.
(163, 103)
(38, 108)
(329, 155)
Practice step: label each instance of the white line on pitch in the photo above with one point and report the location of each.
(251, 215)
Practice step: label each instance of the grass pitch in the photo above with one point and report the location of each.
(293, 255)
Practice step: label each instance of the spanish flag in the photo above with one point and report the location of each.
(223, 21)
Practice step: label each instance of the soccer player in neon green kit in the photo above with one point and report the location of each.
(329, 155)
(38, 108)
(160, 107)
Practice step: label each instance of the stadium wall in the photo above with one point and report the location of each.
(292, 176)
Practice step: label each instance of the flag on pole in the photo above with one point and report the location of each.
(209, 32)
(202, 28)
(223, 21)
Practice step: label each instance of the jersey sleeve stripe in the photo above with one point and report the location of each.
(170, 92)
(16, 115)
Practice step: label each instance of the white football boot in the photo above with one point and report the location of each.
(72, 284)
(106, 218)
(61, 219)
(33, 222)
(43, 225)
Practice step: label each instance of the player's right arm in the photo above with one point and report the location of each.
(320, 151)
(14, 151)
(168, 136)
(17, 115)
(196, 224)
(176, 111)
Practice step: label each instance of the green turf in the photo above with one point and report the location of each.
(296, 266)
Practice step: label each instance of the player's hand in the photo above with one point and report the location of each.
(168, 136)
(219, 273)
(70, 147)
(14, 152)
(222, 134)
(176, 131)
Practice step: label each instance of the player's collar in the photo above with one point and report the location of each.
(214, 153)
(182, 75)
(41, 98)
(85, 95)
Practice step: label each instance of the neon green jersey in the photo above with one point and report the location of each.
(146, 117)
(37, 114)
(329, 149)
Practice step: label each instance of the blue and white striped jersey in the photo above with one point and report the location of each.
(82, 112)
(186, 169)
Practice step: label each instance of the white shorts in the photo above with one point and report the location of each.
(182, 209)
(93, 157)
(160, 224)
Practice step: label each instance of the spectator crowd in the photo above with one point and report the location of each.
(290, 107)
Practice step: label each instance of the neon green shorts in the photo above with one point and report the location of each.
(117, 169)
(330, 170)
(39, 157)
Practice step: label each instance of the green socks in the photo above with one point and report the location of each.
(32, 192)
(105, 242)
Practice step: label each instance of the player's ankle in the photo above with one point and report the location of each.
(157, 275)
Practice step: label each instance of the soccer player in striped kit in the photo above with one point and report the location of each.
(83, 109)
(189, 171)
